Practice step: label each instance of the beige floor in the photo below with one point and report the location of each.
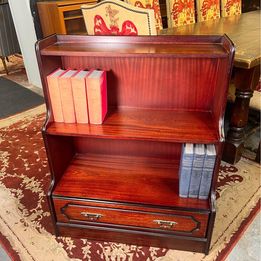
(247, 249)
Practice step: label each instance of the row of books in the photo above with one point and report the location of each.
(196, 170)
(78, 96)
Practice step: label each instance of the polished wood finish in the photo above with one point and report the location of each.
(244, 31)
(180, 222)
(121, 177)
(120, 235)
(62, 17)
(119, 180)
(145, 124)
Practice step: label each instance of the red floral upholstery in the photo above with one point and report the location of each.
(113, 17)
(180, 12)
(208, 10)
(149, 4)
(230, 7)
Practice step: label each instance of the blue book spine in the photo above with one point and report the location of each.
(207, 172)
(196, 172)
(185, 169)
(205, 183)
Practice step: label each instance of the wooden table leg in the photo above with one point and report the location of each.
(4, 63)
(245, 80)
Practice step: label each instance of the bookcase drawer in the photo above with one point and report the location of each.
(180, 222)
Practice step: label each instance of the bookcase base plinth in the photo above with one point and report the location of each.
(133, 237)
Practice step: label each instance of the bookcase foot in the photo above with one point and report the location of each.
(134, 237)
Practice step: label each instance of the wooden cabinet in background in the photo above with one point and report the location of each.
(62, 17)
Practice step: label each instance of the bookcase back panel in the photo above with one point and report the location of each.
(153, 149)
(156, 82)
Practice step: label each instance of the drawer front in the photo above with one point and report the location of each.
(187, 223)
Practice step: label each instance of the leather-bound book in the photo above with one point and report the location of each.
(97, 96)
(67, 96)
(54, 93)
(80, 96)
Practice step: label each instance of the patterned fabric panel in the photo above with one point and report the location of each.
(149, 4)
(181, 12)
(230, 7)
(118, 18)
(208, 10)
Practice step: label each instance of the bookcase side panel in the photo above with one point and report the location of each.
(219, 152)
(60, 150)
(220, 95)
(154, 82)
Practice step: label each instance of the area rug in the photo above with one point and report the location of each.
(25, 223)
(15, 98)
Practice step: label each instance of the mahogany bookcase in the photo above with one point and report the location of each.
(119, 181)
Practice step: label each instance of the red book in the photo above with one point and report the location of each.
(67, 96)
(97, 96)
(54, 94)
(80, 96)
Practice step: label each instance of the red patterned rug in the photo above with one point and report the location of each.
(25, 223)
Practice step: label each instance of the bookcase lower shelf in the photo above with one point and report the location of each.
(154, 213)
(132, 179)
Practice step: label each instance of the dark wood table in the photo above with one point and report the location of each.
(244, 31)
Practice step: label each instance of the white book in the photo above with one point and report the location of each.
(207, 173)
(186, 160)
(197, 167)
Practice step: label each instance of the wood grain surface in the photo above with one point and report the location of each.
(243, 30)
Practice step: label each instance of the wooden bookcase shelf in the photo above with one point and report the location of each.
(121, 48)
(145, 124)
(119, 181)
(158, 179)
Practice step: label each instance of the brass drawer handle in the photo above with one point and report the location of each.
(91, 216)
(166, 224)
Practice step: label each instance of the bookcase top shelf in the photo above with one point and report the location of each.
(205, 47)
(146, 124)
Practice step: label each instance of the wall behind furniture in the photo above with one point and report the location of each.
(26, 35)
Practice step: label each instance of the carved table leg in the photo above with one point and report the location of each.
(245, 80)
